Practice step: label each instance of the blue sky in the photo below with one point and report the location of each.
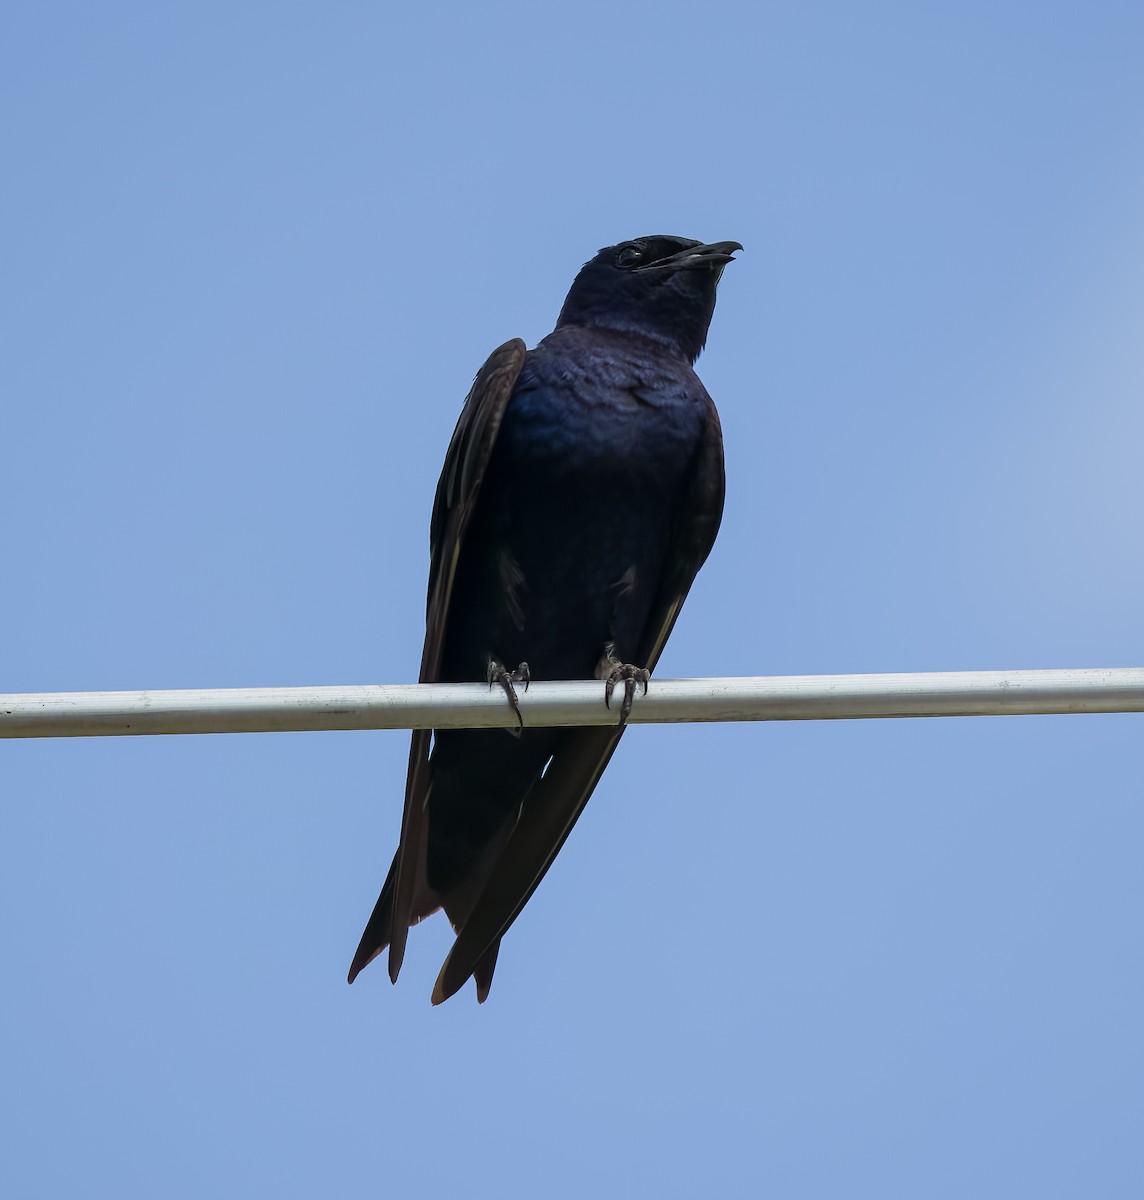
(253, 256)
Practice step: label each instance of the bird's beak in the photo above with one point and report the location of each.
(717, 254)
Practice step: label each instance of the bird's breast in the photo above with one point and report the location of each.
(571, 532)
(627, 429)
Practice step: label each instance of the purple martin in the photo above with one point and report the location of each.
(581, 493)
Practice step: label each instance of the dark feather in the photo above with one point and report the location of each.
(457, 490)
(581, 493)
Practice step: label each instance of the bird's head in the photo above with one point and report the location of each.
(660, 286)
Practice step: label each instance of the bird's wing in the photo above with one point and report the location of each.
(402, 898)
(555, 803)
(465, 463)
(693, 534)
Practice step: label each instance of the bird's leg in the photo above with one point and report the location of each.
(498, 673)
(625, 673)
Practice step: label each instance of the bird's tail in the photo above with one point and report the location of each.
(379, 928)
(458, 904)
(379, 931)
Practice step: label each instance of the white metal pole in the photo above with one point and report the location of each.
(471, 705)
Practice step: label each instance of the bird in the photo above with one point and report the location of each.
(581, 492)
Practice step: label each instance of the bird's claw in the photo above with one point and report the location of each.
(629, 676)
(498, 673)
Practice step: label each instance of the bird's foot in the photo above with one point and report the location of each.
(629, 676)
(499, 673)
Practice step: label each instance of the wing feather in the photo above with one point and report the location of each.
(405, 897)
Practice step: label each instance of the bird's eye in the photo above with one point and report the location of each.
(628, 257)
